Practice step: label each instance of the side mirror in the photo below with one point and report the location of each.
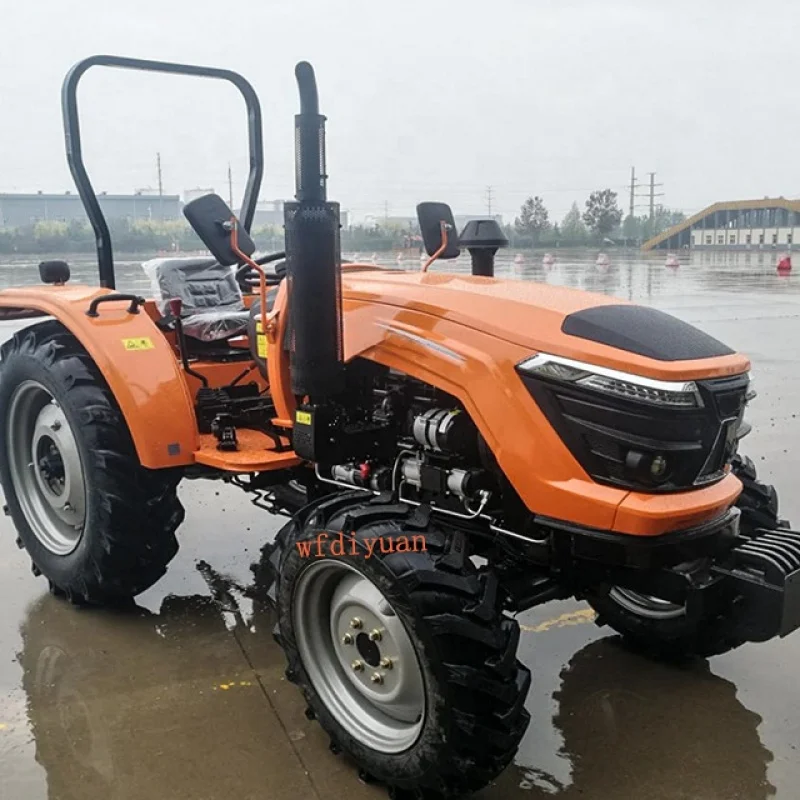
(432, 216)
(213, 222)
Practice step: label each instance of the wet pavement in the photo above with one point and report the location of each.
(184, 696)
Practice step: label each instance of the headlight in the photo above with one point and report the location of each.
(680, 394)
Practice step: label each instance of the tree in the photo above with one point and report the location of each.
(632, 229)
(602, 213)
(573, 231)
(532, 220)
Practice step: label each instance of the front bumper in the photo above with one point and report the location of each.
(761, 581)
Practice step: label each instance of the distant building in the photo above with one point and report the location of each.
(462, 219)
(193, 194)
(411, 222)
(269, 213)
(18, 210)
(735, 225)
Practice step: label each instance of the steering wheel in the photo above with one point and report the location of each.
(248, 279)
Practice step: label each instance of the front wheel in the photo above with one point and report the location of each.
(666, 629)
(400, 646)
(661, 628)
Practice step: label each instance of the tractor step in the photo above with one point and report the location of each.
(256, 453)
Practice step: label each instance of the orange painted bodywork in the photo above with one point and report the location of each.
(148, 385)
(466, 334)
(460, 333)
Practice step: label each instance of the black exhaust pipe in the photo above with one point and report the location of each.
(313, 258)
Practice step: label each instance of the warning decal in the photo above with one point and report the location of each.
(140, 343)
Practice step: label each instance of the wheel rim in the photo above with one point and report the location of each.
(46, 468)
(646, 605)
(358, 656)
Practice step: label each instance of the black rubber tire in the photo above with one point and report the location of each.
(682, 637)
(132, 513)
(475, 687)
(675, 639)
(758, 501)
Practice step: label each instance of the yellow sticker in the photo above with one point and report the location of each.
(261, 345)
(303, 417)
(140, 343)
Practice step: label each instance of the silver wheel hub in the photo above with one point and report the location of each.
(359, 656)
(645, 605)
(46, 468)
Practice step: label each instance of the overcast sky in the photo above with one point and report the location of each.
(426, 100)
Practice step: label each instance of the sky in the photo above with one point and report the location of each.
(426, 100)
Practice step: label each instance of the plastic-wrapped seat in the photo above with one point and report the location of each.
(212, 306)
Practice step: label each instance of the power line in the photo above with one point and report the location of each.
(651, 196)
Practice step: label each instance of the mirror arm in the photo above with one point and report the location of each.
(262, 277)
(441, 249)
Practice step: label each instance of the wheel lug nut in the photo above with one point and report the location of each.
(375, 635)
(387, 662)
(358, 665)
(376, 677)
(347, 639)
(356, 623)
(56, 426)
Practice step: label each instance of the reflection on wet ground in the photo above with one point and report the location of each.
(183, 695)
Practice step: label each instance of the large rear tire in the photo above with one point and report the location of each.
(404, 657)
(665, 629)
(98, 525)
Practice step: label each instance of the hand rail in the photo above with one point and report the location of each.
(72, 133)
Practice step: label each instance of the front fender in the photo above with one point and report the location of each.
(135, 359)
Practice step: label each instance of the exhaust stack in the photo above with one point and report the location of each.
(313, 257)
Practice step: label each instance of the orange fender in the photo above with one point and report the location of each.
(135, 359)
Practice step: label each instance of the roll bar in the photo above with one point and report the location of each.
(72, 133)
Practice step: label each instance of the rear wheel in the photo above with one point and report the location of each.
(666, 629)
(98, 525)
(403, 655)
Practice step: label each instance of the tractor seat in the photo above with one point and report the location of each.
(212, 306)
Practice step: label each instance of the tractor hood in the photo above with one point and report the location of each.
(543, 318)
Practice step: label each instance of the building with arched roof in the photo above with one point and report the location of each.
(735, 225)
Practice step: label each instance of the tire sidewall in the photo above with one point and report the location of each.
(16, 369)
(420, 757)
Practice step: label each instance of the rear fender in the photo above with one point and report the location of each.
(133, 356)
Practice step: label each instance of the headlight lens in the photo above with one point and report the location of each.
(680, 394)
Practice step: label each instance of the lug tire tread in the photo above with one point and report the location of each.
(480, 684)
(135, 511)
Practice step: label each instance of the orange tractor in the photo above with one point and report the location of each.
(451, 449)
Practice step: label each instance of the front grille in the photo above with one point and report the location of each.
(606, 433)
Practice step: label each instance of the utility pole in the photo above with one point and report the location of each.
(633, 191)
(230, 187)
(160, 186)
(651, 195)
(385, 212)
(489, 200)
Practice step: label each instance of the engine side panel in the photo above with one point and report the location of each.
(136, 361)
